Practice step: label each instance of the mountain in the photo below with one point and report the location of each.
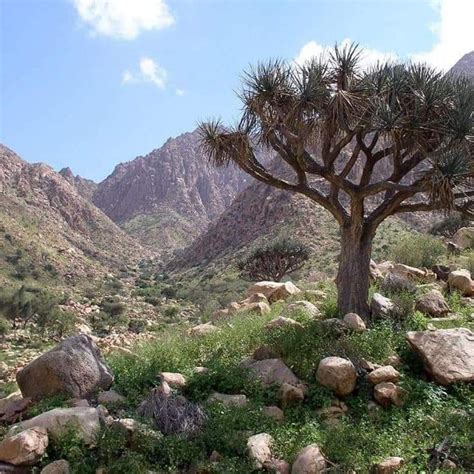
(169, 196)
(465, 66)
(48, 231)
(85, 187)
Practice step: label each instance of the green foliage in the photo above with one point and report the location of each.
(4, 327)
(418, 250)
(448, 226)
(104, 323)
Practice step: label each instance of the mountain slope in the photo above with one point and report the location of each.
(85, 187)
(47, 229)
(465, 66)
(169, 196)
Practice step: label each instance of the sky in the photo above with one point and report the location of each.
(92, 83)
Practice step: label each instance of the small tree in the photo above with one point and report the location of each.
(274, 261)
(365, 145)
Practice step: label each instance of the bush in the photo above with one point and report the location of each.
(418, 250)
(104, 323)
(112, 307)
(449, 225)
(4, 327)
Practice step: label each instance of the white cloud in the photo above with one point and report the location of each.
(124, 19)
(148, 71)
(315, 50)
(180, 92)
(454, 31)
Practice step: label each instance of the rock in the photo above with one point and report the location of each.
(397, 283)
(337, 374)
(387, 393)
(60, 466)
(58, 421)
(110, 397)
(383, 374)
(259, 449)
(277, 466)
(274, 291)
(265, 352)
(381, 306)
(4, 402)
(173, 379)
(461, 280)
(203, 330)
(447, 354)
(334, 326)
(441, 271)
(335, 411)
(375, 272)
(389, 465)
(305, 306)
(354, 322)
(13, 406)
(219, 314)
(282, 322)
(78, 402)
(216, 456)
(291, 395)
(272, 371)
(393, 360)
(228, 400)
(274, 412)
(309, 460)
(448, 465)
(260, 308)
(432, 304)
(413, 273)
(464, 238)
(24, 448)
(255, 298)
(74, 368)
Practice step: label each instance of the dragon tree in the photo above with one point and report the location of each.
(365, 144)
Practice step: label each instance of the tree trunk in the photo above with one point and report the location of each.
(353, 278)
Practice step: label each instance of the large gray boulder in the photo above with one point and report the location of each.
(432, 304)
(447, 354)
(74, 368)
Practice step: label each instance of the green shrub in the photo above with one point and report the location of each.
(418, 250)
(4, 326)
(448, 226)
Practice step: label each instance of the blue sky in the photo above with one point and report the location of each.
(91, 83)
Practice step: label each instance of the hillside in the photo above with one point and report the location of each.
(49, 232)
(464, 66)
(169, 196)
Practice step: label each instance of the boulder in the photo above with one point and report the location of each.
(464, 238)
(85, 420)
(389, 465)
(173, 379)
(282, 322)
(383, 374)
(74, 368)
(290, 394)
(219, 314)
(260, 308)
(278, 466)
(397, 282)
(381, 306)
(354, 322)
(274, 291)
(337, 374)
(387, 393)
(432, 304)
(272, 371)
(203, 330)
(413, 273)
(259, 449)
(110, 397)
(228, 400)
(309, 460)
(24, 448)
(447, 354)
(306, 307)
(274, 412)
(461, 280)
(61, 466)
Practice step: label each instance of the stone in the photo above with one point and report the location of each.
(447, 354)
(448, 465)
(412, 273)
(291, 394)
(85, 420)
(393, 360)
(173, 379)
(229, 400)
(203, 330)
(12, 407)
(381, 306)
(219, 314)
(384, 374)
(432, 304)
(387, 393)
(74, 368)
(461, 280)
(282, 322)
(264, 352)
(306, 307)
(272, 371)
(389, 465)
(277, 466)
(259, 449)
(274, 412)
(78, 402)
(354, 322)
(260, 308)
(24, 448)
(397, 282)
(110, 397)
(274, 291)
(309, 460)
(337, 374)
(464, 238)
(61, 466)
(336, 410)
